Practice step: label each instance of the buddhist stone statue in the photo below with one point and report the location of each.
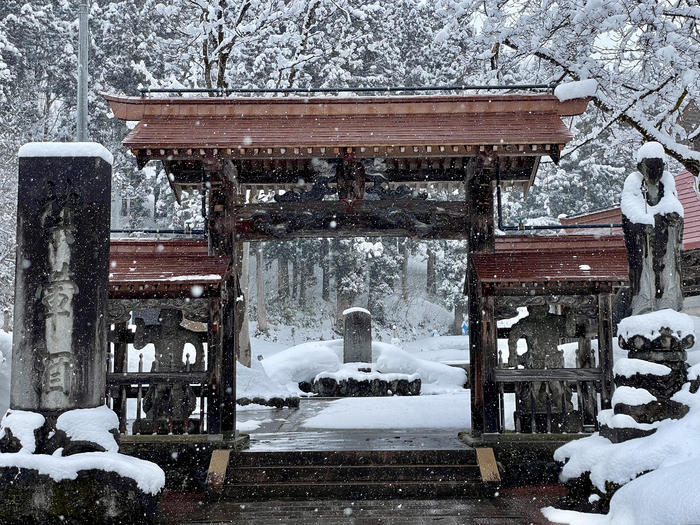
(168, 406)
(542, 332)
(652, 221)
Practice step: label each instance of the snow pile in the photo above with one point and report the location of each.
(355, 309)
(149, 477)
(634, 205)
(350, 371)
(675, 441)
(91, 424)
(629, 395)
(443, 348)
(5, 369)
(303, 362)
(66, 149)
(22, 425)
(648, 325)
(253, 382)
(436, 378)
(609, 419)
(627, 367)
(572, 90)
(650, 150)
(447, 411)
(667, 496)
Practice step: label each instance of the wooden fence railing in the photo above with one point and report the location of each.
(584, 382)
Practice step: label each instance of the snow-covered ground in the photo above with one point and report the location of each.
(5, 367)
(446, 411)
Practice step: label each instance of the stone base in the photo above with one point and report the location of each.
(618, 435)
(277, 402)
(658, 386)
(330, 387)
(95, 496)
(654, 411)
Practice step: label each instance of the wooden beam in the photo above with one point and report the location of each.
(414, 218)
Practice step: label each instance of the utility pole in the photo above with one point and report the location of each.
(82, 113)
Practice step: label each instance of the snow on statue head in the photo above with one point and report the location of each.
(652, 221)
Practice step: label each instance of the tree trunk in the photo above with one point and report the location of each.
(295, 270)
(241, 305)
(458, 319)
(325, 269)
(260, 287)
(404, 269)
(430, 285)
(282, 278)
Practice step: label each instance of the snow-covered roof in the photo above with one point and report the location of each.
(143, 268)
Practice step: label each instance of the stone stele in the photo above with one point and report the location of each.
(63, 213)
(357, 336)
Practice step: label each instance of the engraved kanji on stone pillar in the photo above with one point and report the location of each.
(61, 280)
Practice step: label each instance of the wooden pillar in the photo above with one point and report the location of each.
(483, 353)
(605, 353)
(121, 346)
(222, 395)
(213, 359)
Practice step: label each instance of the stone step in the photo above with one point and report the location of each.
(354, 473)
(357, 490)
(465, 456)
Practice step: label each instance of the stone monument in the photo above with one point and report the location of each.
(61, 280)
(656, 336)
(357, 336)
(59, 441)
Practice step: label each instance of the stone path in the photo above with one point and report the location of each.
(284, 432)
(513, 507)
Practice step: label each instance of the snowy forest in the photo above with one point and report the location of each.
(643, 55)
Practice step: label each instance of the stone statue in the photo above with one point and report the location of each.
(169, 405)
(652, 221)
(542, 332)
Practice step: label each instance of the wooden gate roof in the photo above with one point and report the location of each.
(416, 126)
(148, 268)
(524, 263)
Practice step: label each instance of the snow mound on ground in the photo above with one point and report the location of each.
(634, 205)
(648, 325)
(254, 382)
(651, 150)
(149, 477)
(436, 378)
(351, 371)
(303, 362)
(5, 370)
(580, 89)
(447, 411)
(667, 496)
(91, 424)
(675, 441)
(22, 424)
(440, 348)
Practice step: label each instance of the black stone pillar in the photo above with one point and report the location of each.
(63, 214)
(357, 336)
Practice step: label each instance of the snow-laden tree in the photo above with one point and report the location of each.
(644, 56)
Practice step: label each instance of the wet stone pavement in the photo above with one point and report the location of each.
(512, 507)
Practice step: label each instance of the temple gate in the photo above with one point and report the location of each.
(227, 146)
